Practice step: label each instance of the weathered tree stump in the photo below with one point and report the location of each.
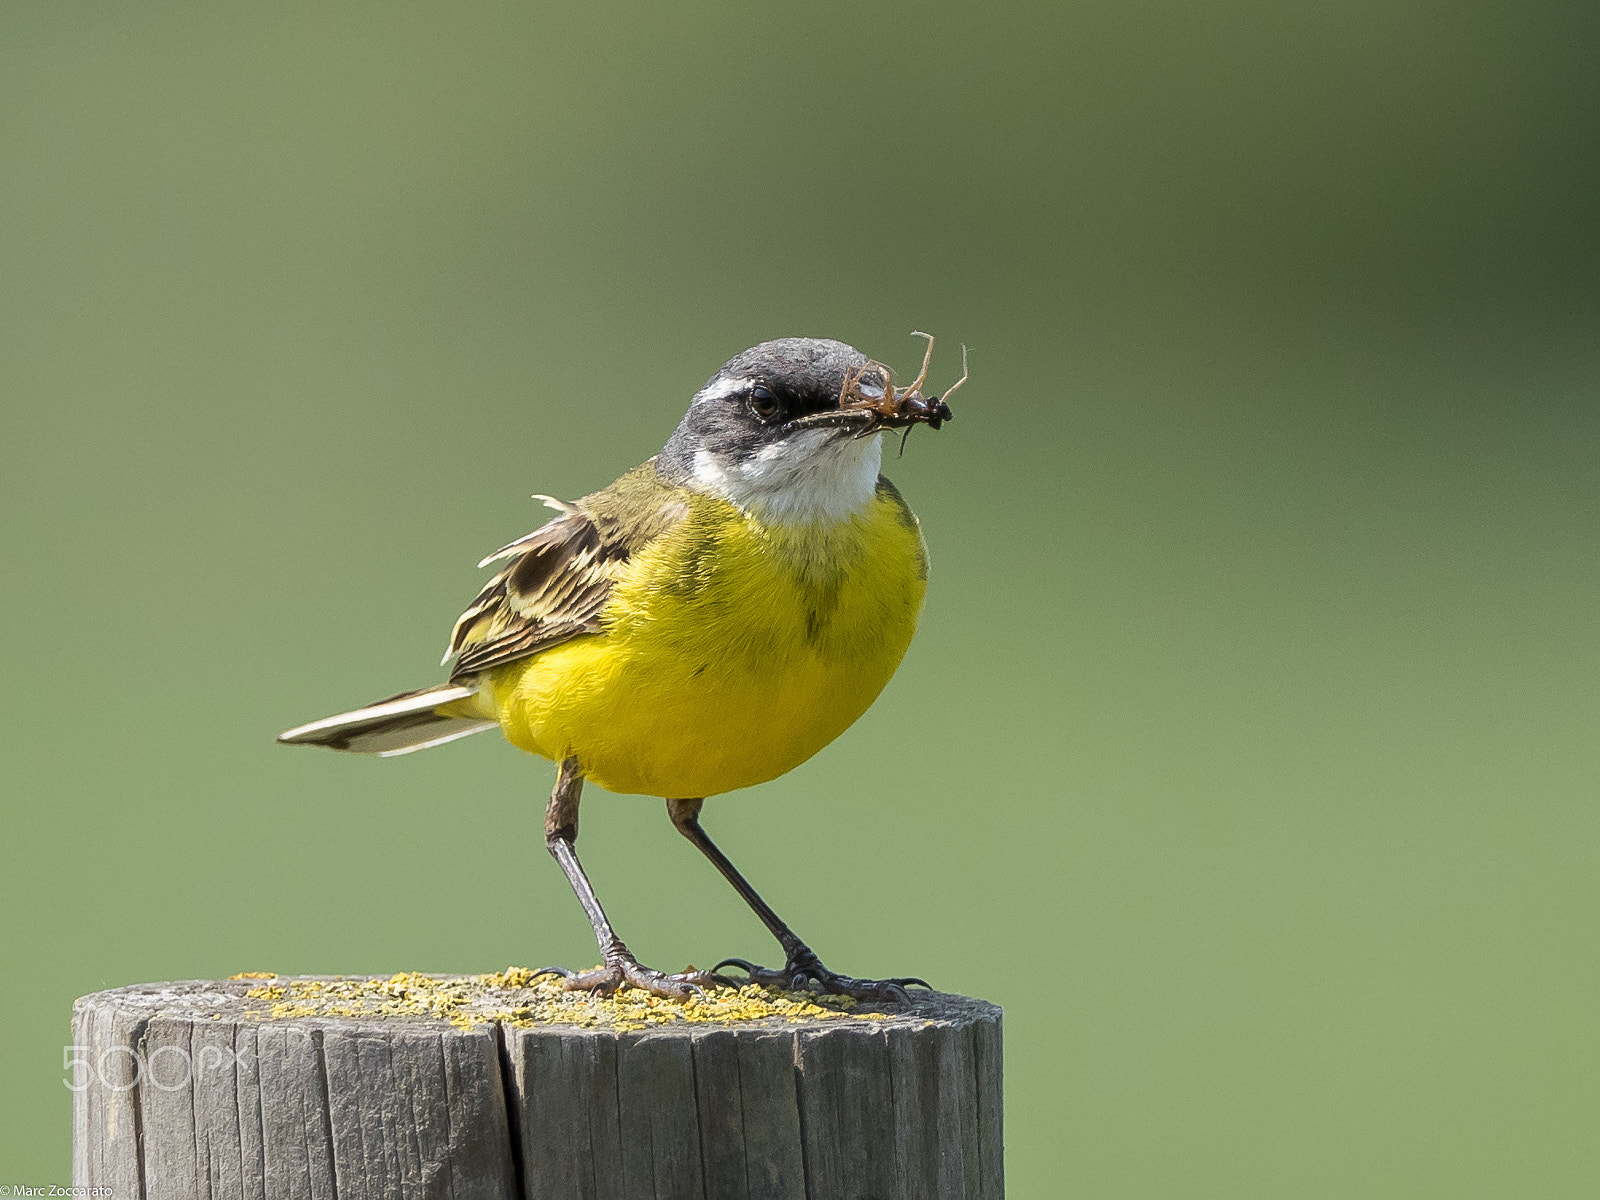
(482, 1086)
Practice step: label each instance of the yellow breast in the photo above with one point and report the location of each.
(731, 651)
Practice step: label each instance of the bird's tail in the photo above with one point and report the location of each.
(398, 725)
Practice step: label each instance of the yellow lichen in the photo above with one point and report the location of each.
(517, 997)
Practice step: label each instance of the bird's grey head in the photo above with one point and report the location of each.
(789, 430)
(757, 399)
(767, 433)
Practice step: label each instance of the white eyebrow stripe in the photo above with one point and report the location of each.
(721, 389)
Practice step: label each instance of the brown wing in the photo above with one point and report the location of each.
(558, 577)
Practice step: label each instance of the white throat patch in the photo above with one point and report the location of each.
(812, 476)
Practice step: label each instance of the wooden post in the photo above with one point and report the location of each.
(243, 1088)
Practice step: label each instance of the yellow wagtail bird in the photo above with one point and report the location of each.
(709, 621)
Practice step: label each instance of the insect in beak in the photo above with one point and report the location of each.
(889, 407)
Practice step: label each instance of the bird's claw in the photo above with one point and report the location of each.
(804, 972)
(611, 976)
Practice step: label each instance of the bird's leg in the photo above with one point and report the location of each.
(619, 965)
(801, 967)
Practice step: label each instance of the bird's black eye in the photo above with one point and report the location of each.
(763, 403)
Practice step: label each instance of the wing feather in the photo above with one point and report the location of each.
(557, 579)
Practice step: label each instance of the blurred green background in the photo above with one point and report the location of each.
(1247, 753)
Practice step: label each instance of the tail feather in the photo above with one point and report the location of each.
(398, 725)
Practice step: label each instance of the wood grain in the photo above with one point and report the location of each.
(190, 1093)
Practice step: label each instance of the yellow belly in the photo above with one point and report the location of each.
(731, 652)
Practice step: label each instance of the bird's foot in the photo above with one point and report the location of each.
(804, 972)
(620, 967)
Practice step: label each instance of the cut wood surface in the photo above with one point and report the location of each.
(282, 1089)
